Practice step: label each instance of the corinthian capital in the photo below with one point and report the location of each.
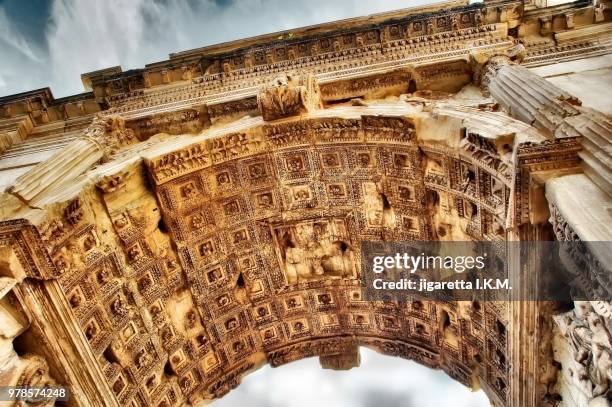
(109, 132)
(485, 65)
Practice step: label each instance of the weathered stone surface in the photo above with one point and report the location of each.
(190, 233)
(288, 95)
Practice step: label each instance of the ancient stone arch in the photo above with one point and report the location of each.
(188, 234)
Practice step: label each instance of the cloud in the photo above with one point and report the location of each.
(12, 38)
(379, 381)
(82, 36)
(22, 60)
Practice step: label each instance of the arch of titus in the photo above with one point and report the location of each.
(177, 226)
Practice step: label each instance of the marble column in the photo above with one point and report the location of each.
(530, 98)
(61, 168)
(574, 379)
(103, 138)
(525, 95)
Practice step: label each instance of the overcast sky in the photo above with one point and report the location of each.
(380, 381)
(51, 43)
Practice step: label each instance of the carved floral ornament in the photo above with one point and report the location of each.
(246, 245)
(210, 192)
(208, 195)
(288, 95)
(110, 132)
(485, 65)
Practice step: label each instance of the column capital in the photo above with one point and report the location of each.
(486, 64)
(104, 137)
(523, 94)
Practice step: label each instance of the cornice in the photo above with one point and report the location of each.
(338, 51)
(321, 30)
(330, 68)
(553, 10)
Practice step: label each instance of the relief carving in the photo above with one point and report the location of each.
(590, 339)
(26, 370)
(311, 250)
(110, 132)
(248, 243)
(288, 95)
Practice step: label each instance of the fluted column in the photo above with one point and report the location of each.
(65, 165)
(525, 95)
(100, 140)
(534, 100)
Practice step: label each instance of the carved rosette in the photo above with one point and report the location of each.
(289, 95)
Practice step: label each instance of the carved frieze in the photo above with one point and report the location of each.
(369, 86)
(588, 335)
(244, 248)
(179, 122)
(233, 108)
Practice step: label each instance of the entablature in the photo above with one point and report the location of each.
(229, 75)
